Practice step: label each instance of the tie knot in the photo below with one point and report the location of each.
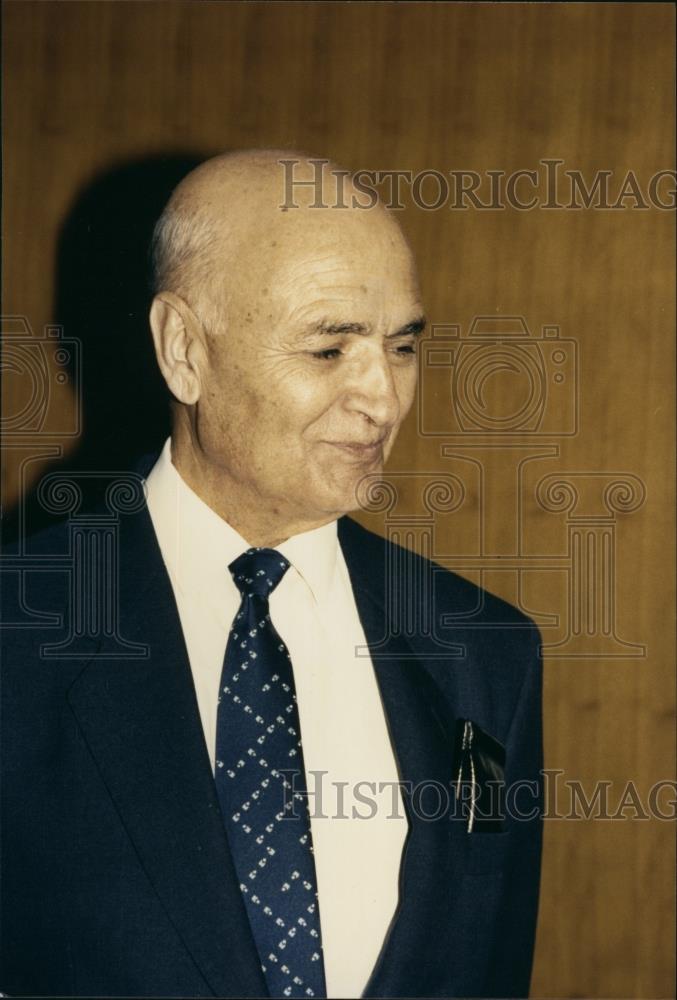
(258, 571)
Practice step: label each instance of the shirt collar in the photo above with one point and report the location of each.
(313, 555)
(198, 545)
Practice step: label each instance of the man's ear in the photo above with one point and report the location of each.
(177, 346)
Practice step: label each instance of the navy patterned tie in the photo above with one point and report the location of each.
(258, 742)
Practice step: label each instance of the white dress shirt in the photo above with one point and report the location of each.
(343, 726)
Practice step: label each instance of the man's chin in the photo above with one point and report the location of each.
(360, 493)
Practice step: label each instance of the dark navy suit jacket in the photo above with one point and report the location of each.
(117, 878)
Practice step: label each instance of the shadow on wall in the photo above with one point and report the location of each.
(102, 300)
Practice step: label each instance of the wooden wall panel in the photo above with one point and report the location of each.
(98, 86)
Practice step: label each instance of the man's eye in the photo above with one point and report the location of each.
(406, 349)
(327, 355)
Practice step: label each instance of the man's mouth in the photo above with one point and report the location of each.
(360, 450)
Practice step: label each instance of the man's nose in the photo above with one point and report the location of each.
(373, 390)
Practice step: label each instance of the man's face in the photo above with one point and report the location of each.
(315, 371)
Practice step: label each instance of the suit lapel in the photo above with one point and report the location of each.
(419, 734)
(141, 722)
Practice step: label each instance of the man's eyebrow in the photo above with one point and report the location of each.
(332, 329)
(413, 329)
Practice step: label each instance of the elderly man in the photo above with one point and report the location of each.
(197, 823)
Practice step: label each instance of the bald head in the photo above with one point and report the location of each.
(232, 221)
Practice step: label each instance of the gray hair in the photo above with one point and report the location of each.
(183, 253)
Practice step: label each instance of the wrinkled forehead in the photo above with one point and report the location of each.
(305, 255)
